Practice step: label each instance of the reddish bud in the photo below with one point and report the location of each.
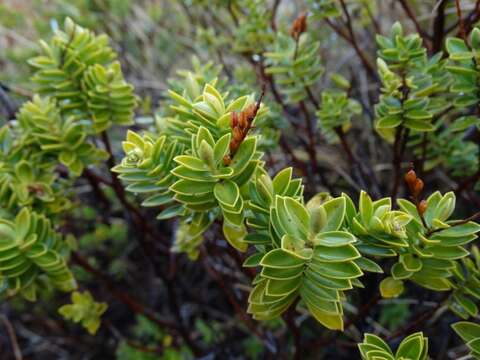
(410, 177)
(422, 207)
(234, 120)
(227, 160)
(417, 187)
(299, 26)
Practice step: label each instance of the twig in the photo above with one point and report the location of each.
(418, 320)
(351, 157)
(412, 17)
(353, 41)
(461, 24)
(126, 299)
(231, 298)
(457, 223)
(438, 27)
(295, 331)
(273, 20)
(135, 213)
(7, 103)
(17, 353)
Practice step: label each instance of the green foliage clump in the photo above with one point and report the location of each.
(295, 65)
(410, 82)
(470, 333)
(78, 69)
(31, 250)
(84, 310)
(413, 347)
(205, 161)
(336, 111)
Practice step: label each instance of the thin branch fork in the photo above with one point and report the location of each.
(408, 328)
(133, 304)
(135, 213)
(353, 41)
(411, 14)
(231, 298)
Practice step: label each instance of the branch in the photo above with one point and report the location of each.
(353, 41)
(461, 24)
(231, 298)
(17, 353)
(412, 17)
(438, 27)
(408, 328)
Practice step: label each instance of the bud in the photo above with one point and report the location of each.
(237, 134)
(422, 207)
(417, 187)
(410, 178)
(242, 123)
(234, 144)
(243, 120)
(299, 26)
(227, 160)
(234, 122)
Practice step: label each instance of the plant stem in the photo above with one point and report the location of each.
(353, 41)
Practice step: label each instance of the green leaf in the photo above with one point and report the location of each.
(336, 254)
(227, 193)
(221, 148)
(22, 224)
(466, 229)
(253, 260)
(235, 236)
(411, 263)
(368, 265)
(330, 321)
(340, 270)
(411, 347)
(282, 180)
(280, 259)
(365, 207)
(457, 49)
(191, 162)
(377, 342)
(334, 238)
(388, 122)
(335, 210)
(419, 125)
(244, 154)
(391, 288)
(290, 214)
(192, 188)
(468, 331)
(282, 287)
(448, 253)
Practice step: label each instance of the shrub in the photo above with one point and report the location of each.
(310, 195)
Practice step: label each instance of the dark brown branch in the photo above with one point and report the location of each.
(17, 353)
(438, 27)
(230, 296)
(410, 13)
(273, 20)
(133, 304)
(356, 166)
(136, 215)
(353, 41)
(457, 223)
(461, 24)
(419, 320)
